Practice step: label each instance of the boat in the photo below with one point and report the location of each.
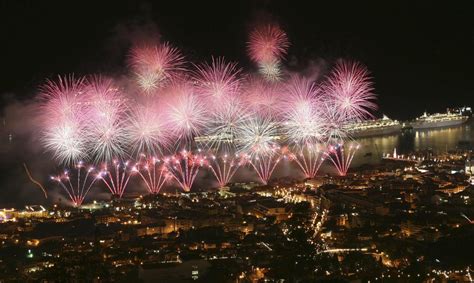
(375, 127)
(439, 120)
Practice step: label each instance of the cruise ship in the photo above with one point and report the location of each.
(376, 127)
(439, 120)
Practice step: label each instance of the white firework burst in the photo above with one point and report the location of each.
(218, 80)
(257, 136)
(303, 120)
(223, 124)
(271, 71)
(147, 131)
(108, 128)
(186, 113)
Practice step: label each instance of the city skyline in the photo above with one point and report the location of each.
(262, 141)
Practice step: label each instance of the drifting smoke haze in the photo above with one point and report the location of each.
(46, 40)
(20, 125)
(98, 118)
(18, 145)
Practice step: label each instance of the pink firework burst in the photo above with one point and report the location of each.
(116, 176)
(334, 124)
(61, 98)
(155, 65)
(351, 90)
(267, 43)
(147, 130)
(64, 119)
(184, 168)
(224, 121)
(262, 97)
(303, 121)
(108, 126)
(224, 167)
(186, 113)
(341, 156)
(77, 182)
(153, 172)
(218, 80)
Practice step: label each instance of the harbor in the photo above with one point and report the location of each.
(386, 126)
(436, 140)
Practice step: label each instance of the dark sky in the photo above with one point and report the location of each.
(421, 55)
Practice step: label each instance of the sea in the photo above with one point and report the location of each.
(437, 140)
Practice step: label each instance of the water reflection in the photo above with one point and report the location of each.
(438, 140)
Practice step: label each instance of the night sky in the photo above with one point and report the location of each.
(421, 55)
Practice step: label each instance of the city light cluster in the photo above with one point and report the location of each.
(171, 118)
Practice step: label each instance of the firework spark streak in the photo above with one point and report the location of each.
(223, 125)
(108, 137)
(303, 122)
(155, 65)
(267, 43)
(187, 115)
(116, 178)
(467, 218)
(184, 168)
(147, 131)
(350, 88)
(341, 157)
(271, 71)
(34, 181)
(264, 166)
(309, 159)
(260, 119)
(78, 184)
(224, 168)
(257, 137)
(64, 119)
(153, 172)
(217, 80)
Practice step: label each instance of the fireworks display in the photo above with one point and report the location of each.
(303, 123)
(263, 98)
(267, 45)
(108, 126)
(155, 65)
(257, 137)
(341, 156)
(350, 89)
(153, 172)
(224, 167)
(184, 168)
(116, 176)
(264, 165)
(146, 131)
(64, 131)
(218, 80)
(153, 127)
(77, 182)
(223, 125)
(187, 115)
(309, 159)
